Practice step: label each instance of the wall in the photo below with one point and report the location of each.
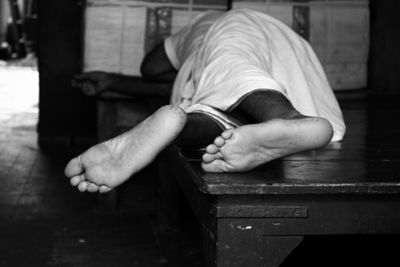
(118, 33)
(338, 31)
(67, 117)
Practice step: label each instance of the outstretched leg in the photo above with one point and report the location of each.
(277, 129)
(108, 164)
(199, 131)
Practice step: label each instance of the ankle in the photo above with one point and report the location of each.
(265, 105)
(293, 115)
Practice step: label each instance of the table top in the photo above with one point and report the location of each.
(367, 161)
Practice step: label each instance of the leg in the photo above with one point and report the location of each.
(265, 105)
(199, 131)
(277, 130)
(111, 163)
(157, 67)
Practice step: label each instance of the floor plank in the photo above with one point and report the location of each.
(46, 222)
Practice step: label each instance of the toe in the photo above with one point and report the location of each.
(76, 180)
(208, 157)
(227, 134)
(211, 149)
(92, 188)
(219, 141)
(83, 186)
(74, 167)
(104, 189)
(215, 166)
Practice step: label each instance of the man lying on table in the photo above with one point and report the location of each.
(245, 85)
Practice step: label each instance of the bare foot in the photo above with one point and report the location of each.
(249, 146)
(109, 164)
(94, 82)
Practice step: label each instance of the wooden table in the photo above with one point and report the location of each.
(257, 218)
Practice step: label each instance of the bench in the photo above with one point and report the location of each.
(257, 218)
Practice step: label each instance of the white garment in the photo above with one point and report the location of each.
(222, 57)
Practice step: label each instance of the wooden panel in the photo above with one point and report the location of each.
(366, 162)
(327, 214)
(181, 18)
(260, 211)
(119, 33)
(337, 30)
(346, 75)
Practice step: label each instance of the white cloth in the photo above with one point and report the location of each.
(221, 57)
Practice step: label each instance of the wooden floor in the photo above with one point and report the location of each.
(45, 222)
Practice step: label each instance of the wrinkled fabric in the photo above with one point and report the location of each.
(222, 57)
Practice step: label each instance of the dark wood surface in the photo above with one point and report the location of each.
(366, 161)
(259, 217)
(44, 222)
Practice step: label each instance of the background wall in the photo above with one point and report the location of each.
(119, 33)
(68, 117)
(338, 31)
